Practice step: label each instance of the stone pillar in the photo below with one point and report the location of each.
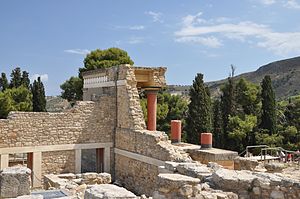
(151, 109)
(37, 169)
(4, 161)
(107, 159)
(78, 161)
(176, 131)
(206, 140)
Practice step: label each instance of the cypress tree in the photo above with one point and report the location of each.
(25, 79)
(3, 82)
(268, 116)
(228, 103)
(217, 124)
(38, 96)
(16, 78)
(199, 117)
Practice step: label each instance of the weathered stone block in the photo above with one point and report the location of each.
(15, 181)
(108, 191)
(241, 163)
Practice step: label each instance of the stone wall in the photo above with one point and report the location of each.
(87, 122)
(131, 136)
(251, 185)
(57, 162)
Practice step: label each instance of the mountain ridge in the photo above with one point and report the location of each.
(285, 75)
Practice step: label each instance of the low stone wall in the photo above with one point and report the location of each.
(241, 163)
(220, 156)
(136, 175)
(178, 186)
(251, 185)
(246, 184)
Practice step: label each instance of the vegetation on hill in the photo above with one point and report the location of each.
(285, 75)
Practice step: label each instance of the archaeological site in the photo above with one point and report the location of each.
(103, 148)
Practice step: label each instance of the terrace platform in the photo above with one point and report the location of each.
(220, 156)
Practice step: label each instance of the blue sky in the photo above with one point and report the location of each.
(51, 38)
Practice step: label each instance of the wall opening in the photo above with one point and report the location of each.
(92, 160)
(17, 159)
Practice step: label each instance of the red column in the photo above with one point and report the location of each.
(175, 131)
(206, 140)
(151, 110)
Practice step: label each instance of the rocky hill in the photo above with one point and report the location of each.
(285, 75)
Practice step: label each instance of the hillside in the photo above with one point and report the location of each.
(285, 76)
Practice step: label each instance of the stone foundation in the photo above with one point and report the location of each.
(220, 156)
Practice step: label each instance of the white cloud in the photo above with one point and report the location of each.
(135, 40)
(44, 77)
(260, 35)
(137, 27)
(206, 41)
(268, 2)
(78, 51)
(156, 16)
(293, 4)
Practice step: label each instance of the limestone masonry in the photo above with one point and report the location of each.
(107, 133)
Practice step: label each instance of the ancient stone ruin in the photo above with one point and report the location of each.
(107, 133)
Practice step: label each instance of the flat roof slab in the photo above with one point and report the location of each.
(212, 155)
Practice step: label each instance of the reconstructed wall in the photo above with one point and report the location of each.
(134, 173)
(58, 162)
(87, 122)
(115, 116)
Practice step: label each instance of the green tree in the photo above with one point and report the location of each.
(16, 78)
(105, 59)
(15, 99)
(241, 131)
(268, 116)
(228, 107)
(38, 96)
(263, 137)
(292, 114)
(199, 116)
(217, 125)
(169, 107)
(95, 59)
(25, 79)
(247, 97)
(72, 89)
(3, 82)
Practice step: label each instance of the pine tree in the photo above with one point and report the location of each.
(16, 78)
(38, 96)
(268, 117)
(217, 124)
(25, 79)
(3, 82)
(199, 117)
